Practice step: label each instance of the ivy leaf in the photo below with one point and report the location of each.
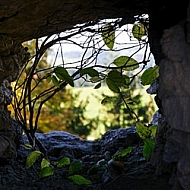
(150, 75)
(108, 35)
(127, 63)
(80, 180)
(63, 162)
(47, 171)
(45, 163)
(63, 74)
(90, 71)
(75, 167)
(138, 31)
(32, 157)
(112, 85)
(148, 148)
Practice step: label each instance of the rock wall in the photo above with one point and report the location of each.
(174, 91)
(12, 57)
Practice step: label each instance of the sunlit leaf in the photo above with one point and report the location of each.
(75, 167)
(150, 75)
(63, 74)
(108, 35)
(123, 153)
(112, 85)
(63, 162)
(138, 31)
(32, 157)
(142, 130)
(153, 130)
(127, 63)
(80, 180)
(45, 163)
(148, 148)
(45, 172)
(90, 71)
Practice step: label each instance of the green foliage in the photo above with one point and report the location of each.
(108, 35)
(125, 105)
(150, 75)
(32, 157)
(126, 63)
(102, 165)
(75, 167)
(147, 134)
(63, 162)
(47, 168)
(122, 153)
(90, 71)
(80, 180)
(63, 75)
(139, 31)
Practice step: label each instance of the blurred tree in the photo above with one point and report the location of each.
(64, 111)
(122, 109)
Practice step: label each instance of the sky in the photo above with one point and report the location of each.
(70, 52)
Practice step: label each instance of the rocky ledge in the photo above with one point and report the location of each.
(130, 172)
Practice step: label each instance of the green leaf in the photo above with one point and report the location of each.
(94, 169)
(138, 31)
(80, 180)
(95, 79)
(55, 81)
(63, 74)
(32, 157)
(116, 77)
(97, 86)
(153, 130)
(27, 146)
(148, 148)
(123, 153)
(63, 162)
(108, 35)
(45, 172)
(45, 163)
(90, 71)
(75, 167)
(150, 75)
(127, 63)
(142, 130)
(112, 85)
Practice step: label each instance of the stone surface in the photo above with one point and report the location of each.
(174, 92)
(26, 20)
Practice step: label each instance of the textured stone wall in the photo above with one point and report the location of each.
(174, 92)
(12, 57)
